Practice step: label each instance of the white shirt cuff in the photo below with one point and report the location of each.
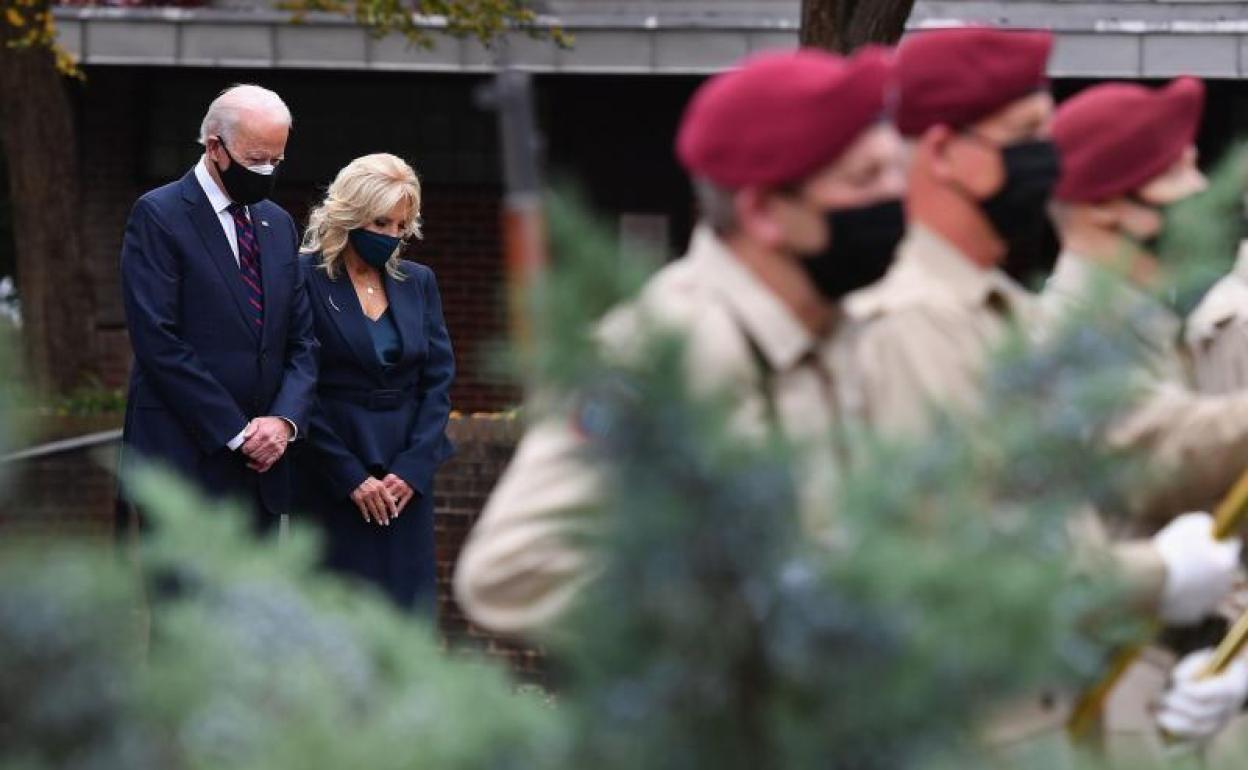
(294, 429)
(237, 441)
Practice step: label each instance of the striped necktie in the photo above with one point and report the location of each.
(249, 261)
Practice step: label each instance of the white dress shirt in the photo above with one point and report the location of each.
(221, 203)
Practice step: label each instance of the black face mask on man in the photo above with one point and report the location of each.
(1030, 261)
(246, 185)
(1018, 211)
(861, 244)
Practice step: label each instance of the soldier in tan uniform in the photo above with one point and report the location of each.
(1217, 343)
(1127, 153)
(973, 104)
(1118, 176)
(975, 108)
(796, 171)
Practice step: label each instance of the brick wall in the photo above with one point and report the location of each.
(137, 129)
(72, 495)
(69, 495)
(484, 445)
(462, 246)
(125, 141)
(109, 138)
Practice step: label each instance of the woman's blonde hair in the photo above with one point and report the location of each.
(367, 188)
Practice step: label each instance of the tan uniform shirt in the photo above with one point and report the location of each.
(1153, 326)
(1217, 332)
(523, 562)
(1195, 446)
(923, 335)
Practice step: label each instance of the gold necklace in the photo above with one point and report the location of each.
(369, 287)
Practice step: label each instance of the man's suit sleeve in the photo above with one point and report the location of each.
(298, 388)
(151, 279)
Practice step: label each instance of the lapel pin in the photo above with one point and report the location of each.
(264, 223)
(333, 305)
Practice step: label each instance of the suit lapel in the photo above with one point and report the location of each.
(404, 311)
(344, 308)
(213, 237)
(270, 268)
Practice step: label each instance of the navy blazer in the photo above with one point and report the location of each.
(202, 369)
(404, 434)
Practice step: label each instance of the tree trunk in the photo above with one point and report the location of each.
(38, 136)
(843, 25)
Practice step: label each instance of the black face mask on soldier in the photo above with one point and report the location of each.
(861, 244)
(242, 184)
(1031, 261)
(1018, 211)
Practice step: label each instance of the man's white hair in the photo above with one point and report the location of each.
(227, 110)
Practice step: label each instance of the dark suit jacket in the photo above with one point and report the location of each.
(406, 435)
(202, 368)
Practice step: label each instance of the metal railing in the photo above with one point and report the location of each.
(64, 446)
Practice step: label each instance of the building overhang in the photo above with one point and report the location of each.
(1120, 39)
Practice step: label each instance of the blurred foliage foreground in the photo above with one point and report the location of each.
(718, 634)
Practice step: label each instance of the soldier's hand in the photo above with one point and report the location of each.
(375, 502)
(1196, 708)
(1200, 571)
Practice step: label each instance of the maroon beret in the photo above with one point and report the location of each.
(780, 117)
(1117, 137)
(955, 77)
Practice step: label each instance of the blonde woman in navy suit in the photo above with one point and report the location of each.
(378, 429)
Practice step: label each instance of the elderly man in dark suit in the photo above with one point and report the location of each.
(225, 358)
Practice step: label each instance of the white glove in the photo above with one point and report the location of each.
(1196, 709)
(1200, 571)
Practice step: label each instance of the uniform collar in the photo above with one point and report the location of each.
(929, 268)
(216, 197)
(780, 336)
(1078, 279)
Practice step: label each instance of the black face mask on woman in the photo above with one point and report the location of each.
(1018, 211)
(861, 244)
